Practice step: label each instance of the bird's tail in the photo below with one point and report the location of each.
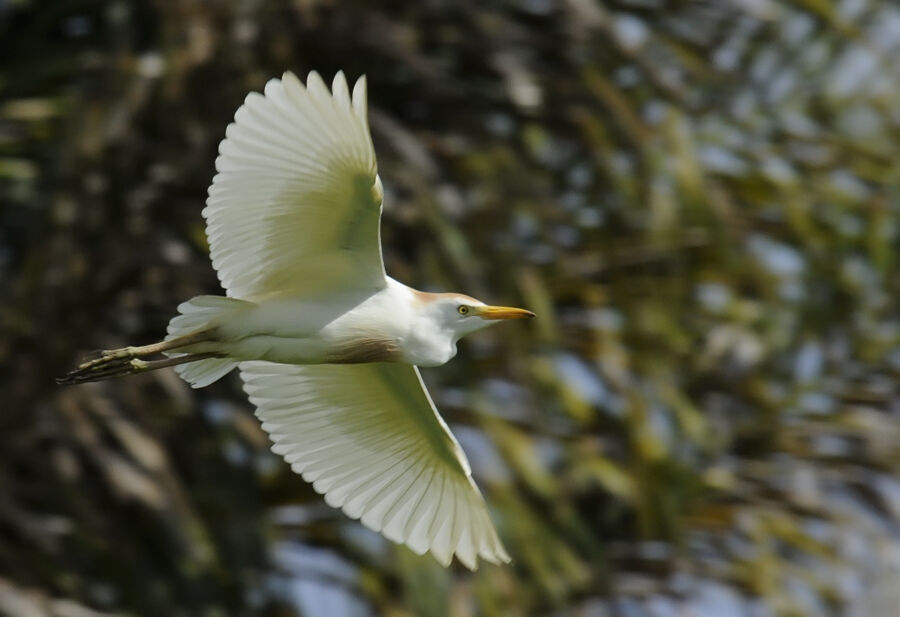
(187, 347)
(197, 314)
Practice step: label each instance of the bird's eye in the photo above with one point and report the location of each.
(462, 309)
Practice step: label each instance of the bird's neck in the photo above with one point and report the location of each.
(424, 340)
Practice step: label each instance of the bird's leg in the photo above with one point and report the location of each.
(167, 345)
(125, 354)
(127, 360)
(131, 366)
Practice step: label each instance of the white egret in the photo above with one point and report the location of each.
(326, 343)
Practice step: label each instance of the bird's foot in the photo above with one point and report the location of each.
(111, 363)
(120, 365)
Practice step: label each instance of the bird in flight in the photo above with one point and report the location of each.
(326, 343)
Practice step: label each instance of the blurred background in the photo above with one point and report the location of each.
(699, 199)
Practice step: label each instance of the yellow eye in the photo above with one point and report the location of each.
(463, 309)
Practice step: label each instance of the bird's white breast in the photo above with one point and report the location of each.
(396, 313)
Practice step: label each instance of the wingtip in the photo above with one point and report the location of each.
(360, 99)
(469, 561)
(272, 87)
(314, 82)
(360, 87)
(340, 90)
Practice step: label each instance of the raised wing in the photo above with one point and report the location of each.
(296, 203)
(368, 437)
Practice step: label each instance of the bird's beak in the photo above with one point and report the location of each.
(502, 312)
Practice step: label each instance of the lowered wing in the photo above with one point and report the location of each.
(368, 437)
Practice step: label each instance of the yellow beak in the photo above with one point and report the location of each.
(501, 312)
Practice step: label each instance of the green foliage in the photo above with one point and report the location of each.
(699, 200)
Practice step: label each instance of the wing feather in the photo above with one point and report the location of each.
(296, 203)
(367, 436)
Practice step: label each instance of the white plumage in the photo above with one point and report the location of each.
(327, 344)
(371, 441)
(296, 201)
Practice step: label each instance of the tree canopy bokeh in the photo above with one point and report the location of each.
(699, 199)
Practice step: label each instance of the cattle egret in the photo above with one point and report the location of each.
(326, 343)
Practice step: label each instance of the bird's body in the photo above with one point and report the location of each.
(326, 343)
(388, 325)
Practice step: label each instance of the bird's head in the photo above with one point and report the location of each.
(461, 314)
